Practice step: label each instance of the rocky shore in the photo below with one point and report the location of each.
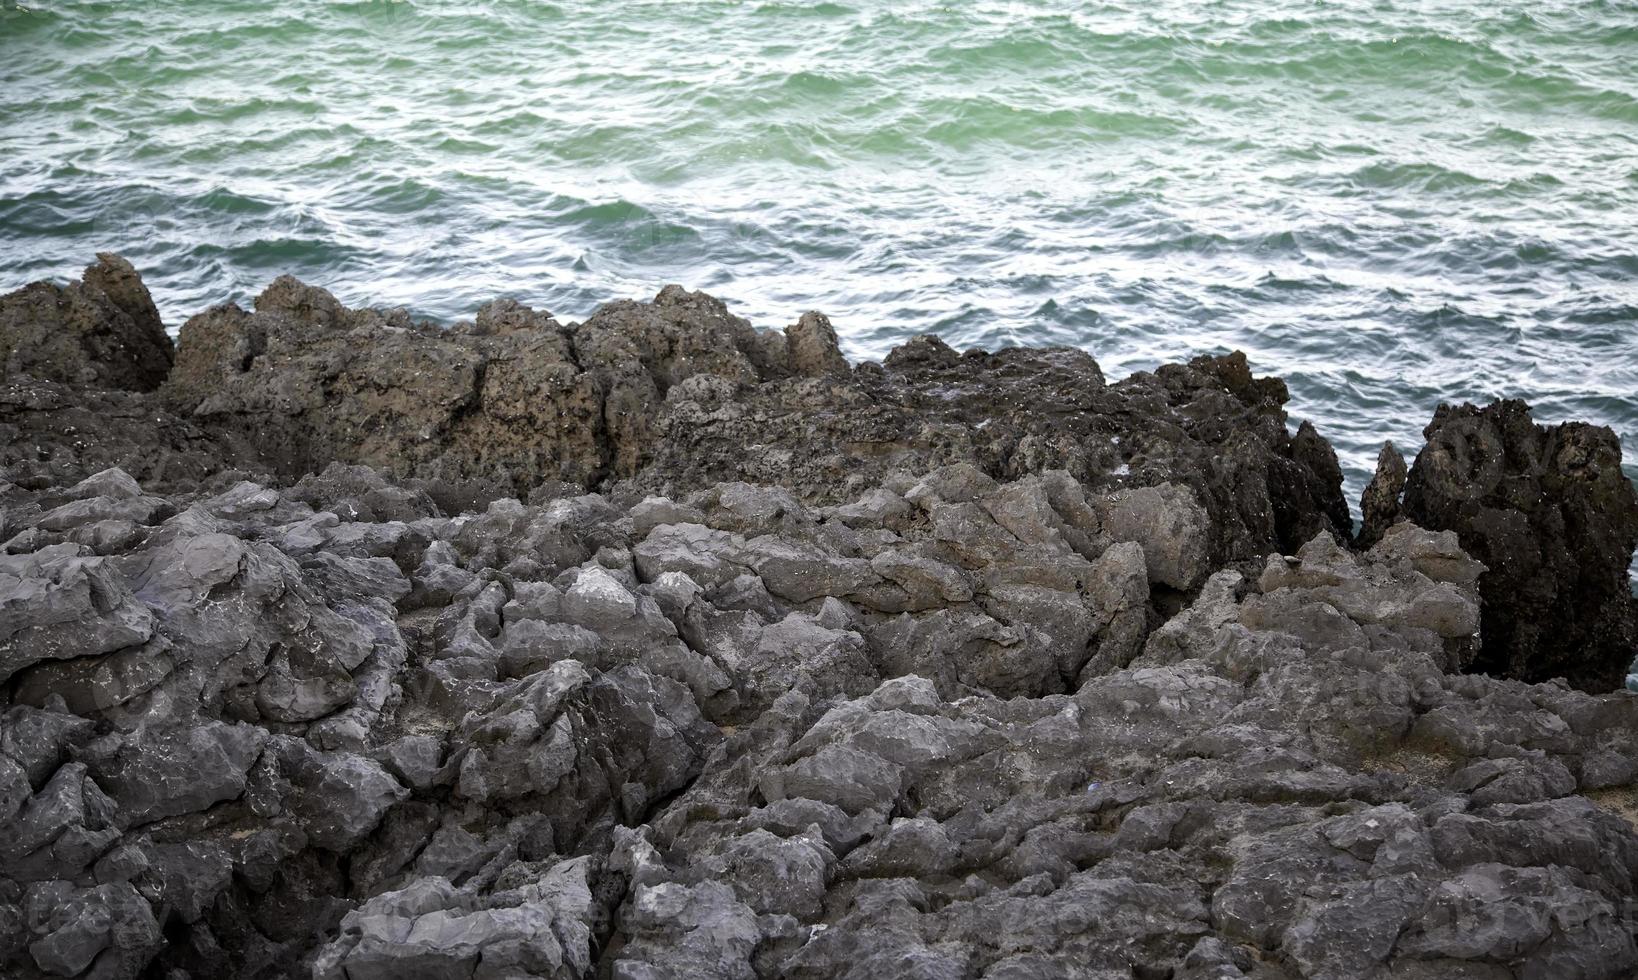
(337, 645)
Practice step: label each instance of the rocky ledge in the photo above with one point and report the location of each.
(657, 646)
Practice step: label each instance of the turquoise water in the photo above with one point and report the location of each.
(1389, 204)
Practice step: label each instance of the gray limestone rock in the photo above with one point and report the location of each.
(58, 603)
(152, 776)
(957, 666)
(1168, 524)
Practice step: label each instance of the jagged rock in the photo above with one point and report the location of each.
(1232, 749)
(781, 875)
(1379, 505)
(1004, 672)
(53, 434)
(1244, 779)
(321, 383)
(812, 347)
(542, 929)
(1554, 520)
(153, 776)
(695, 931)
(635, 393)
(358, 493)
(916, 847)
(336, 797)
(57, 604)
(112, 483)
(1168, 525)
(102, 331)
(1118, 588)
(108, 930)
(61, 829)
(416, 760)
(799, 652)
(597, 599)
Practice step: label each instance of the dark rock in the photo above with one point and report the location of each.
(53, 435)
(102, 931)
(186, 771)
(59, 603)
(812, 347)
(336, 797)
(429, 928)
(1379, 505)
(639, 392)
(102, 331)
(1553, 518)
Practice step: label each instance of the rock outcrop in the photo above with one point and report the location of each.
(1549, 511)
(102, 331)
(517, 658)
(678, 394)
(54, 435)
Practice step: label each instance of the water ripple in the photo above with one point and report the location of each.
(1390, 205)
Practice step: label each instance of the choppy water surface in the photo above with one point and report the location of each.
(1389, 204)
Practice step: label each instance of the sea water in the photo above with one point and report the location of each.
(1388, 204)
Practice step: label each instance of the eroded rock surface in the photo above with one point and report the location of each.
(1089, 688)
(940, 730)
(678, 394)
(1549, 511)
(102, 331)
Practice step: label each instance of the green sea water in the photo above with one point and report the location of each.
(1389, 204)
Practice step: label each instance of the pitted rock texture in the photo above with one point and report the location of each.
(102, 331)
(961, 666)
(1549, 511)
(54, 435)
(941, 730)
(678, 394)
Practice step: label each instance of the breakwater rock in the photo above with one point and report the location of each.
(659, 646)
